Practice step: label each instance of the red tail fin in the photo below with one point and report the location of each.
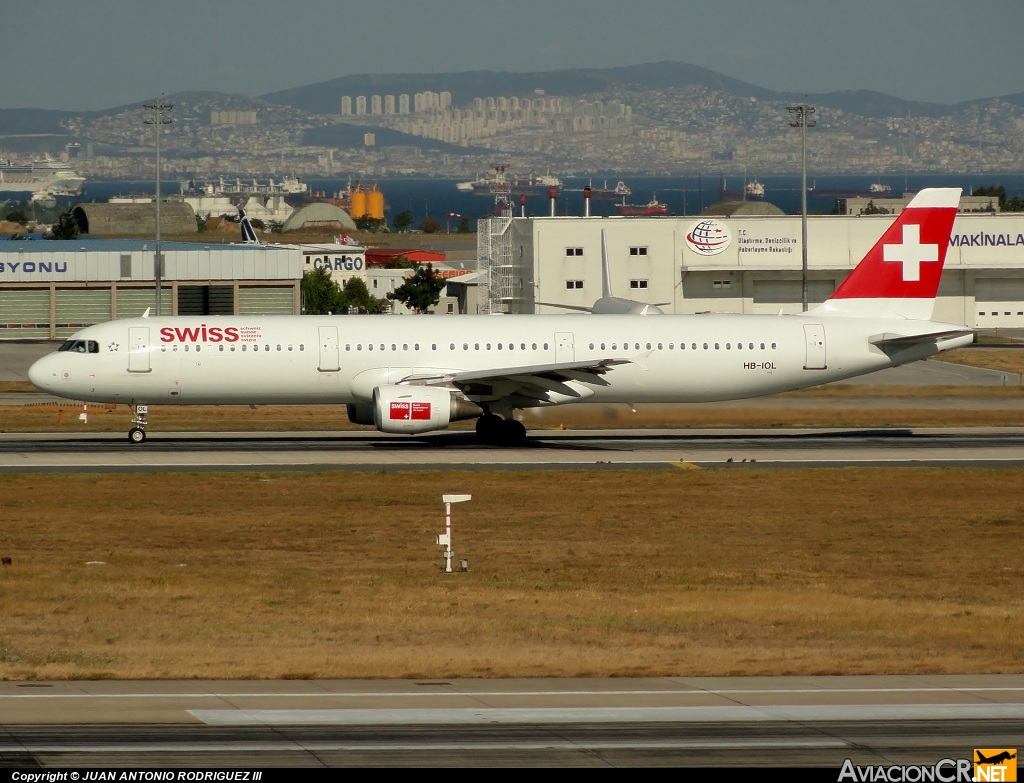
(900, 274)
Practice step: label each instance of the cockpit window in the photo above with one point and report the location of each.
(80, 346)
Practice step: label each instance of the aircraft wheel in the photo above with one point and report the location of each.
(513, 432)
(488, 427)
(137, 435)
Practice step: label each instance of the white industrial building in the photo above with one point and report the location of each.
(749, 264)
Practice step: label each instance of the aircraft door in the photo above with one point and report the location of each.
(138, 349)
(814, 340)
(565, 350)
(329, 358)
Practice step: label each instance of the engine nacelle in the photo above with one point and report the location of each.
(412, 409)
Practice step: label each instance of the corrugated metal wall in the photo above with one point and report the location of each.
(269, 300)
(25, 314)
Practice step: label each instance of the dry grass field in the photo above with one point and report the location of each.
(573, 573)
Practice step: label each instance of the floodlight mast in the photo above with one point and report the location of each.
(803, 122)
(158, 120)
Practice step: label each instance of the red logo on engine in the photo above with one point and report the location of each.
(406, 411)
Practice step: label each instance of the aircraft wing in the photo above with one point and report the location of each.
(532, 381)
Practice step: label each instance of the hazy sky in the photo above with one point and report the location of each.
(96, 54)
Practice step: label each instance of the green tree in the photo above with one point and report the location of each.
(464, 226)
(873, 209)
(421, 291)
(320, 294)
(403, 220)
(356, 296)
(65, 228)
(996, 191)
(429, 225)
(371, 225)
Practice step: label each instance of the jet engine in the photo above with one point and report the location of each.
(412, 409)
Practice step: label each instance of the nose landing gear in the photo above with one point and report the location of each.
(137, 434)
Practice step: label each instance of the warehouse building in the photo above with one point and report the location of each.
(51, 289)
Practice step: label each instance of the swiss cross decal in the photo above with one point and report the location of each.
(406, 411)
(911, 253)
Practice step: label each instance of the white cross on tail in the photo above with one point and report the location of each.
(911, 253)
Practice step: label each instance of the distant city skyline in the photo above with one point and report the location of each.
(77, 56)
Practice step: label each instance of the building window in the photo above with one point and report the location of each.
(573, 251)
(721, 284)
(638, 251)
(638, 284)
(574, 285)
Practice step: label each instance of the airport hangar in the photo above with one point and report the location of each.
(51, 289)
(737, 263)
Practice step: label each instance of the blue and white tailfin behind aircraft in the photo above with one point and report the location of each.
(248, 234)
(416, 375)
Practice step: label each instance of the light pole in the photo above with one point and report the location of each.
(158, 120)
(803, 122)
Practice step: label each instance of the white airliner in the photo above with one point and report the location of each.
(417, 374)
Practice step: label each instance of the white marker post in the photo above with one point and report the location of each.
(445, 539)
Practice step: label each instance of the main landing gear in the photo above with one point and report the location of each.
(137, 434)
(500, 432)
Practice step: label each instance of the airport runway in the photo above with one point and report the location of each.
(670, 721)
(645, 449)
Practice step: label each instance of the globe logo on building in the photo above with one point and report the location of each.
(709, 237)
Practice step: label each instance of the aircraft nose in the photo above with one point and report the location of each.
(43, 373)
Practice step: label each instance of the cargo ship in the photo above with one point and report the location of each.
(291, 187)
(621, 190)
(652, 207)
(51, 176)
(514, 184)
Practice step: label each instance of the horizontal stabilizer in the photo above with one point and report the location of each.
(889, 339)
